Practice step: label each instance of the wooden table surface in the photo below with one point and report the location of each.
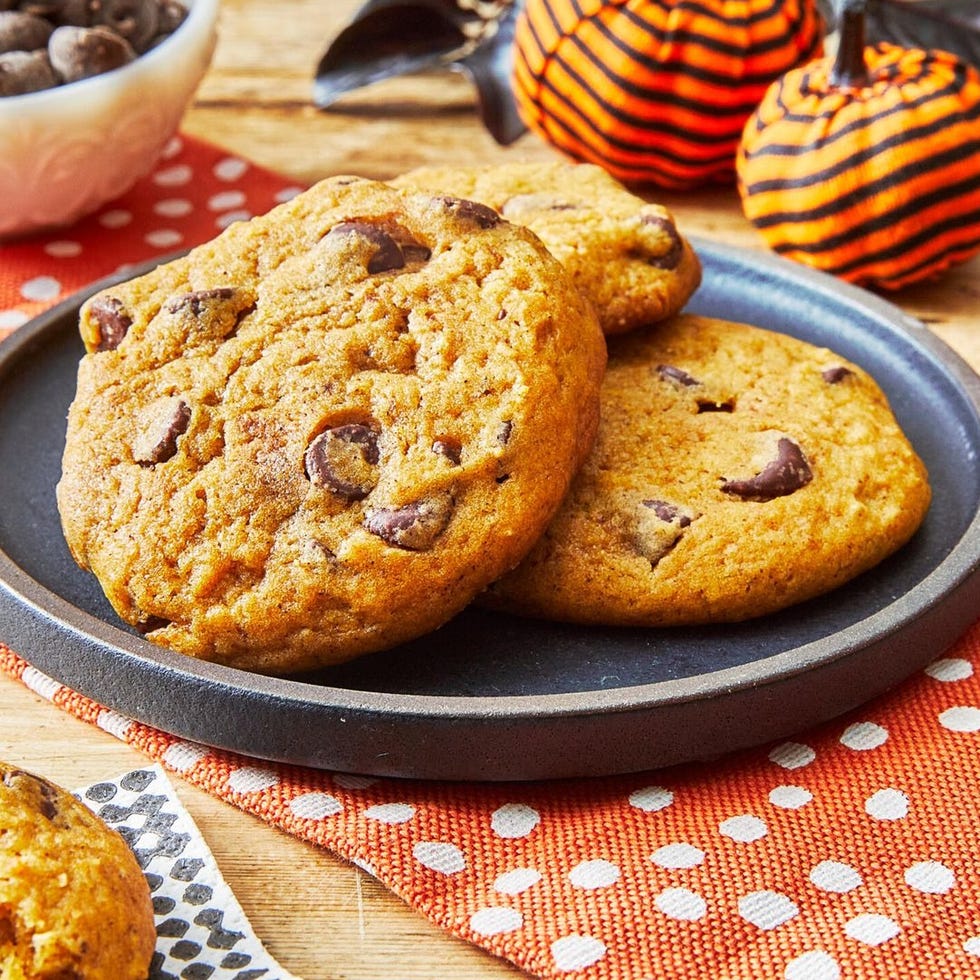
(322, 918)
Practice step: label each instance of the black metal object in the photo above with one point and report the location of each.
(388, 38)
(500, 698)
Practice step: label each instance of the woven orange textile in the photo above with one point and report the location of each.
(655, 90)
(879, 186)
(848, 851)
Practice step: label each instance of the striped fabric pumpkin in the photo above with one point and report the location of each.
(655, 91)
(868, 167)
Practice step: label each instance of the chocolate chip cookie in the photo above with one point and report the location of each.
(625, 254)
(737, 471)
(326, 431)
(73, 901)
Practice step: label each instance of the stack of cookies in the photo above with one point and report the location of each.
(333, 427)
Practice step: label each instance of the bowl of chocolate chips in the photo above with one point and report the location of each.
(91, 91)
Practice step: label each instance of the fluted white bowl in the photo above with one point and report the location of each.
(66, 151)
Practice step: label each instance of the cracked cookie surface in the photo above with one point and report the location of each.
(737, 471)
(73, 900)
(326, 431)
(624, 253)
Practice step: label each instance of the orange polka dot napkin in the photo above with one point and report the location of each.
(850, 851)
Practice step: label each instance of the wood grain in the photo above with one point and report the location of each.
(323, 918)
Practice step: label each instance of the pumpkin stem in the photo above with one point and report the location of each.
(850, 70)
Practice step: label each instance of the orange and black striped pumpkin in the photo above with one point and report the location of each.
(867, 165)
(655, 91)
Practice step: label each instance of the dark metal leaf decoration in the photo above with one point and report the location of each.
(946, 25)
(387, 38)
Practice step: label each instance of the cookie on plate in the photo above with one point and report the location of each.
(625, 254)
(324, 432)
(73, 900)
(737, 471)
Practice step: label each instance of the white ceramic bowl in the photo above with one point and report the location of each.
(67, 150)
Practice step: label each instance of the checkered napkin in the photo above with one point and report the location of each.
(849, 851)
(202, 932)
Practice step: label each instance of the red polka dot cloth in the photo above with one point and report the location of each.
(849, 851)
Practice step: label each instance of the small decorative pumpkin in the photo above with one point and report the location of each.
(867, 165)
(655, 90)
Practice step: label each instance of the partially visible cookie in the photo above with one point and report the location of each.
(73, 900)
(625, 254)
(326, 431)
(737, 471)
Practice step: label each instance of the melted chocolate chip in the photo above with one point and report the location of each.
(387, 254)
(504, 432)
(414, 526)
(787, 473)
(668, 513)
(667, 372)
(217, 311)
(670, 258)
(161, 424)
(49, 798)
(344, 460)
(113, 321)
(450, 447)
(835, 375)
(473, 211)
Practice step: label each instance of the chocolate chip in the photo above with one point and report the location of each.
(656, 527)
(668, 513)
(504, 432)
(387, 254)
(472, 211)
(214, 312)
(74, 13)
(667, 372)
(835, 375)
(81, 52)
(787, 473)
(344, 461)
(170, 16)
(113, 321)
(135, 20)
(48, 803)
(20, 31)
(160, 425)
(654, 251)
(23, 72)
(450, 447)
(414, 526)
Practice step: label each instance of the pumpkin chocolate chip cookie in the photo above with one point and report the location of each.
(326, 431)
(737, 471)
(73, 900)
(625, 254)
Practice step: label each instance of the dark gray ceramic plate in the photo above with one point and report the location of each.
(489, 697)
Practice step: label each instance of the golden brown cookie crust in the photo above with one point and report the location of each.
(324, 432)
(737, 471)
(73, 901)
(627, 255)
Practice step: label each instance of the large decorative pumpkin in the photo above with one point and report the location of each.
(655, 90)
(867, 165)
